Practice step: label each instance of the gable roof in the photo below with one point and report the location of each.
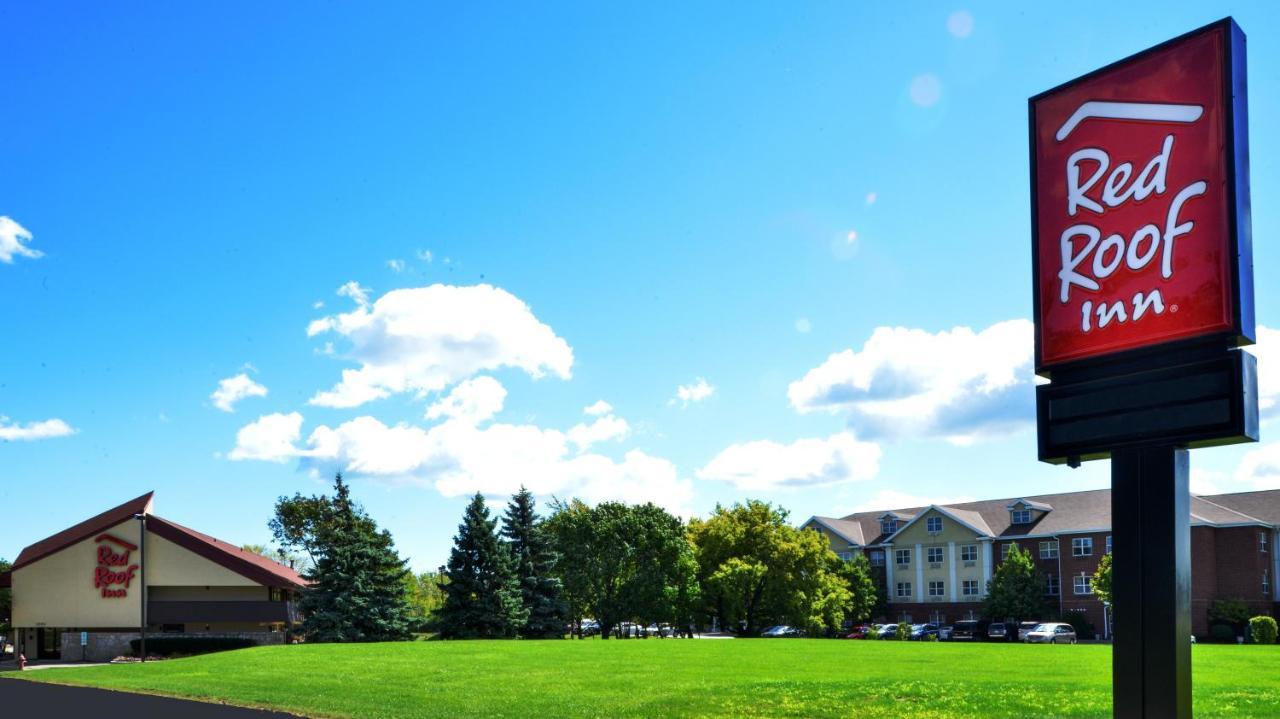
(1088, 510)
(1030, 504)
(849, 531)
(972, 520)
(251, 565)
(83, 530)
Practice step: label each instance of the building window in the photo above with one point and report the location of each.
(937, 618)
(1049, 550)
(1082, 547)
(1108, 544)
(846, 556)
(969, 553)
(276, 594)
(1266, 585)
(888, 526)
(904, 590)
(1262, 542)
(935, 555)
(971, 615)
(933, 524)
(904, 617)
(936, 589)
(1022, 516)
(877, 557)
(1004, 551)
(902, 557)
(1052, 585)
(969, 588)
(1084, 584)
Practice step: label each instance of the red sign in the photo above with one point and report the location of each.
(1136, 193)
(114, 572)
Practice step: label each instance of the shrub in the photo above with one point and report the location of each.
(1079, 622)
(1232, 612)
(169, 646)
(1222, 633)
(904, 631)
(1263, 630)
(930, 637)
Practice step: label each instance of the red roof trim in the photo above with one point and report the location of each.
(252, 566)
(82, 531)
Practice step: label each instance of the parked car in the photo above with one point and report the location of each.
(921, 631)
(969, 630)
(888, 631)
(998, 631)
(945, 631)
(1051, 633)
(782, 631)
(858, 631)
(1024, 627)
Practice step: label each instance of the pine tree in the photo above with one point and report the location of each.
(482, 598)
(357, 584)
(534, 562)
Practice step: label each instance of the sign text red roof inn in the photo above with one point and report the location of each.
(1140, 203)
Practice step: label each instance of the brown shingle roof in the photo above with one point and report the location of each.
(83, 530)
(252, 565)
(1083, 511)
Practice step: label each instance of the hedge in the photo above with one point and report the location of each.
(1263, 630)
(1222, 633)
(168, 646)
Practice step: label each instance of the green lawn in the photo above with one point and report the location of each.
(648, 678)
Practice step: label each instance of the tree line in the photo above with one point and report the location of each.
(581, 569)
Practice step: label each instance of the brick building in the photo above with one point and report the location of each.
(934, 562)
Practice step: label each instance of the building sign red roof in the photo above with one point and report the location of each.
(1136, 195)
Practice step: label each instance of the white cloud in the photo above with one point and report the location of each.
(1267, 350)
(1206, 481)
(425, 255)
(396, 266)
(234, 389)
(31, 431)
(959, 385)
(1261, 467)
(424, 339)
(317, 305)
(960, 23)
(687, 394)
(474, 401)
(12, 239)
(871, 198)
(598, 408)
(602, 429)
(804, 326)
(887, 499)
(767, 465)
(269, 438)
(458, 458)
(925, 90)
(352, 289)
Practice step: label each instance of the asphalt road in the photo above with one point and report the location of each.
(51, 700)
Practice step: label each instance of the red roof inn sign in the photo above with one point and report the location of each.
(114, 572)
(1141, 239)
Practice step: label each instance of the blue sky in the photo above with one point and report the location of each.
(532, 211)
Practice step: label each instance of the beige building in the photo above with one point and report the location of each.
(87, 591)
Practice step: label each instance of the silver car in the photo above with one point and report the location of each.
(1051, 633)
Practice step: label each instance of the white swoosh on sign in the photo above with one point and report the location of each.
(1155, 112)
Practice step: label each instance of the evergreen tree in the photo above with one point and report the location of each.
(534, 562)
(356, 591)
(482, 598)
(1016, 591)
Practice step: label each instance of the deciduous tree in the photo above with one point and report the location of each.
(1016, 590)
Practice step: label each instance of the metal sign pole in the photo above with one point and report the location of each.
(1151, 583)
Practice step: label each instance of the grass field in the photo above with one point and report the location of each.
(650, 678)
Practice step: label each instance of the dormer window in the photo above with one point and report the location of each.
(1022, 516)
(934, 524)
(888, 526)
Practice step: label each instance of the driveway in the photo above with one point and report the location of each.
(61, 701)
